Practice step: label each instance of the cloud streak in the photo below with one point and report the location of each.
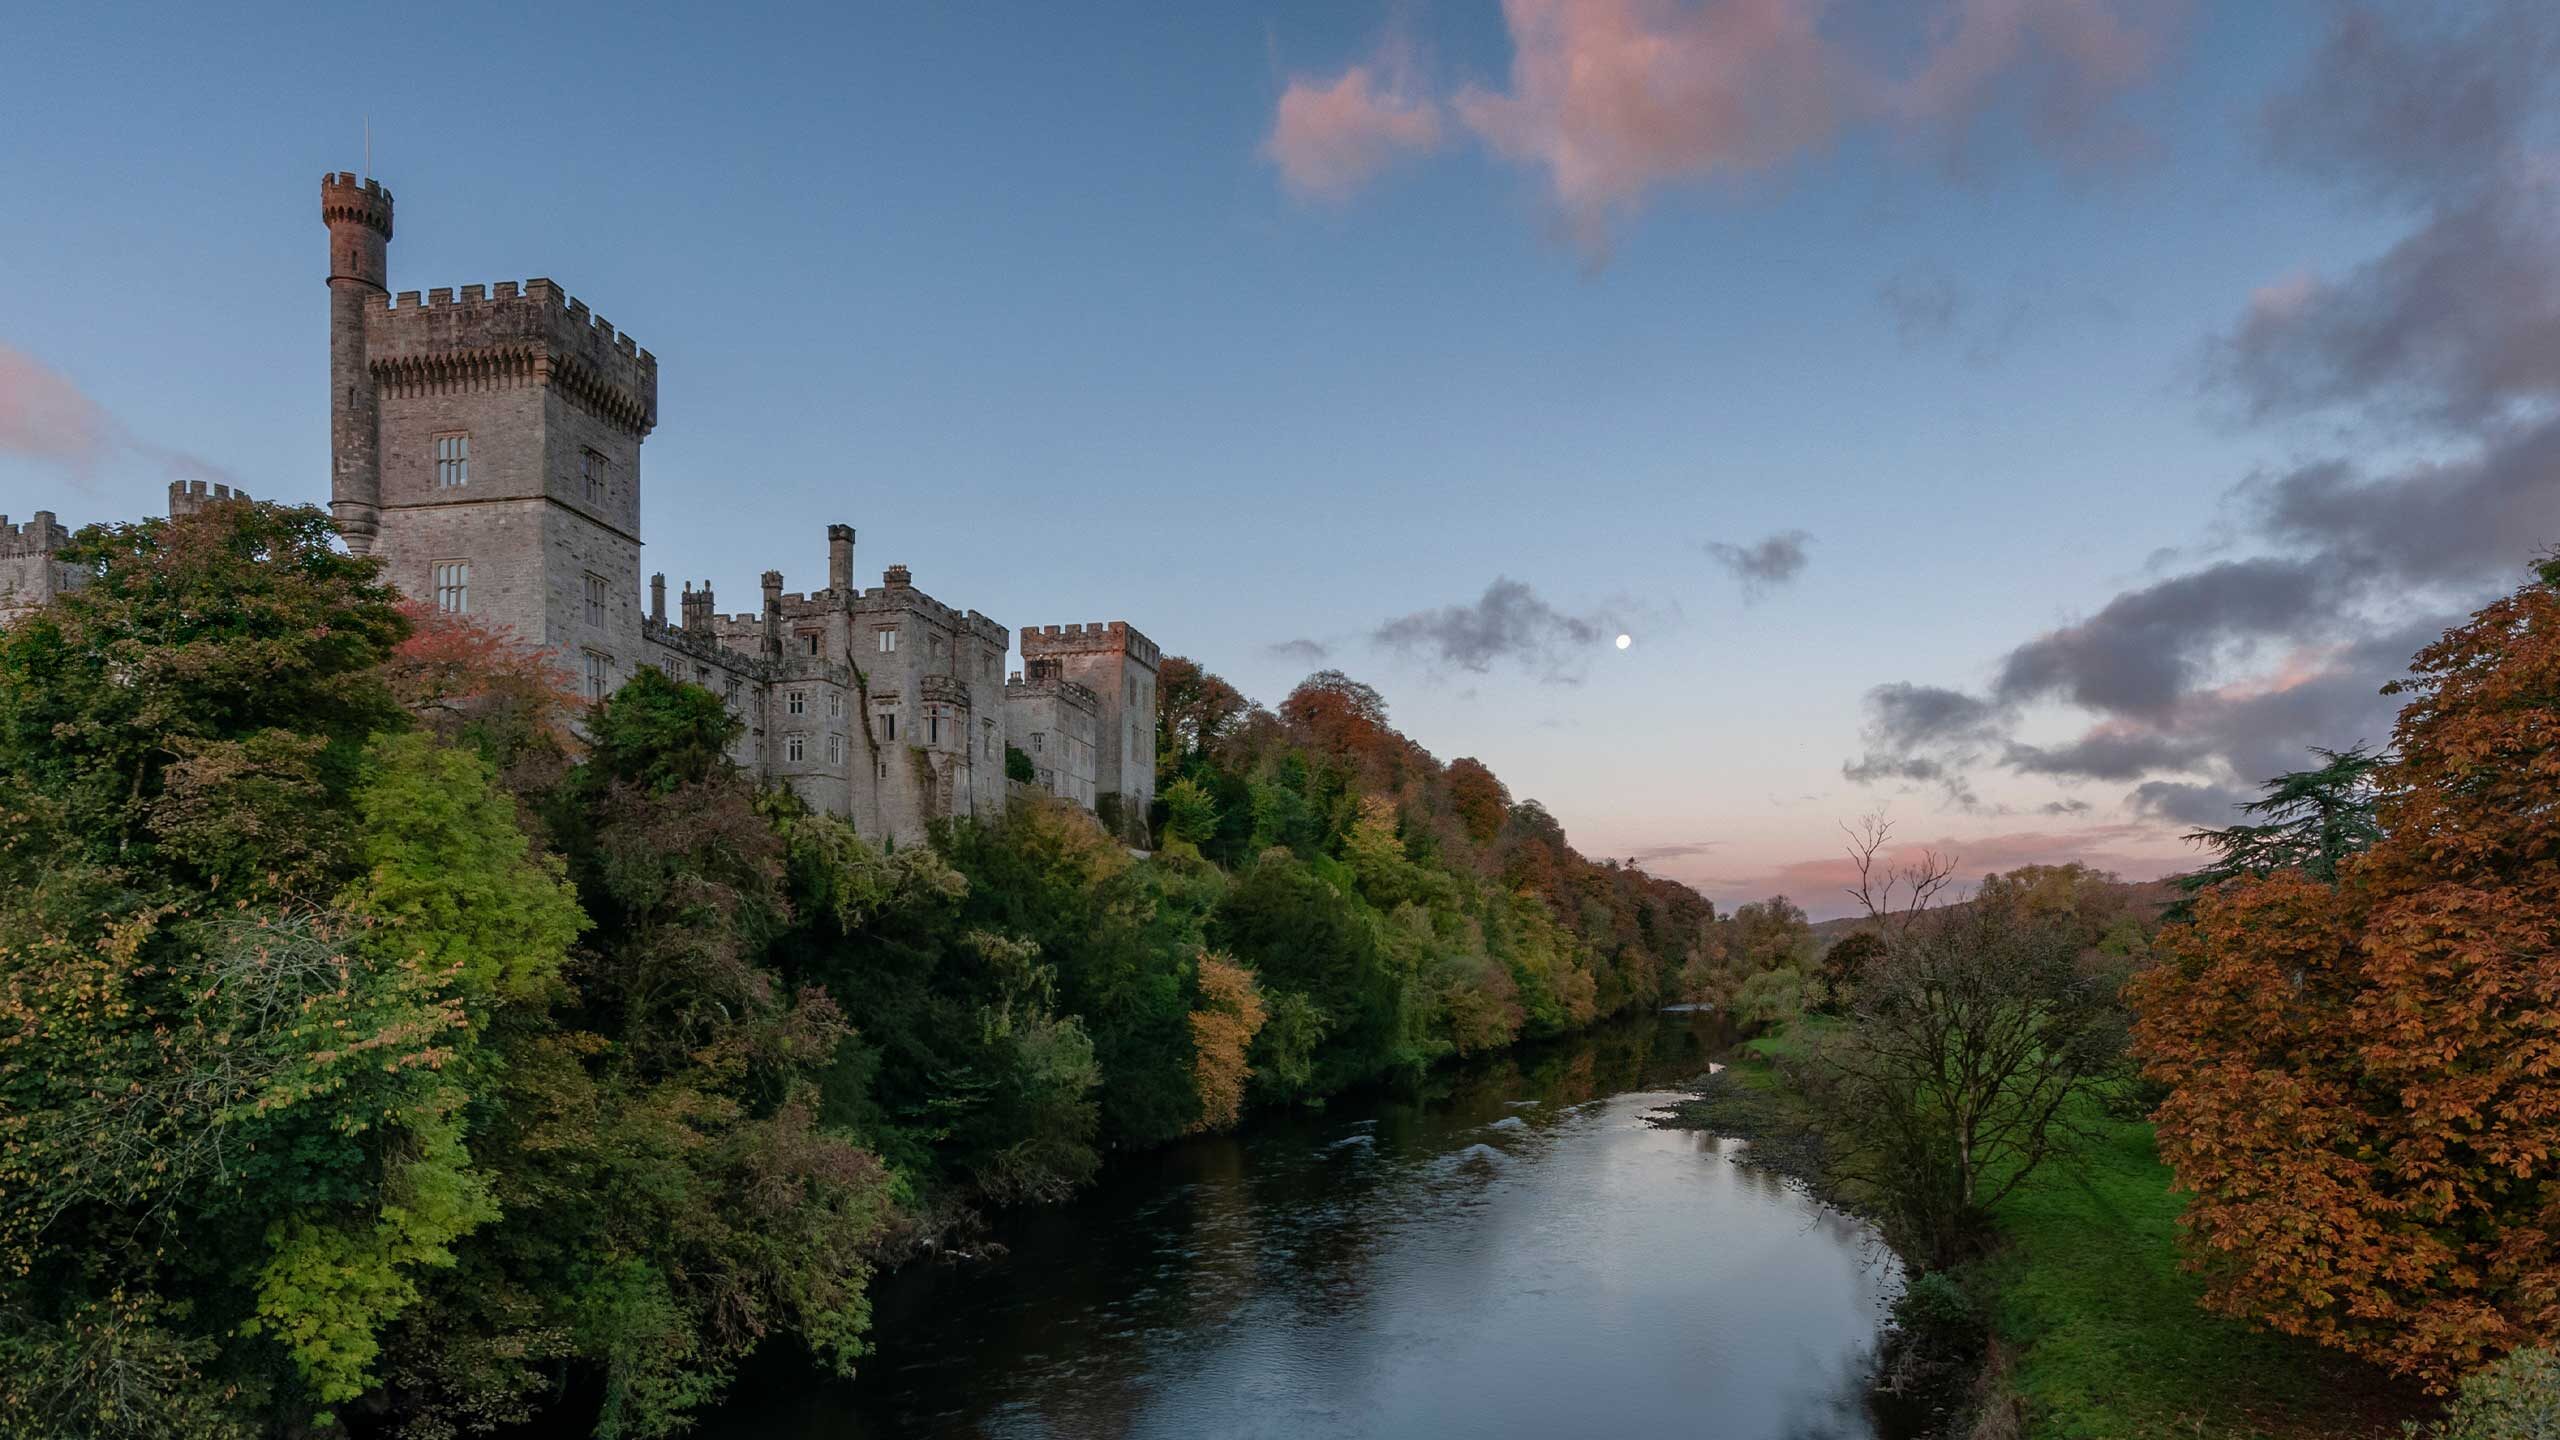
(1508, 625)
(47, 419)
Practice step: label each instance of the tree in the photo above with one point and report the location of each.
(1229, 1015)
(1965, 1054)
(1191, 812)
(1480, 799)
(193, 636)
(1301, 938)
(2365, 1076)
(1194, 710)
(2315, 820)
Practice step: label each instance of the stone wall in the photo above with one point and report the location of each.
(1118, 664)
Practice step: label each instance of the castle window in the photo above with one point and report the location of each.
(453, 586)
(835, 703)
(809, 641)
(794, 747)
(798, 700)
(888, 724)
(888, 642)
(595, 599)
(599, 674)
(884, 769)
(595, 470)
(1036, 741)
(453, 461)
(835, 749)
(933, 727)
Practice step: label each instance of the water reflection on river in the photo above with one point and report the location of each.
(1510, 1251)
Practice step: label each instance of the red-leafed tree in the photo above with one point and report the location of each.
(2366, 1075)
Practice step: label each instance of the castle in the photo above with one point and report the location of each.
(485, 447)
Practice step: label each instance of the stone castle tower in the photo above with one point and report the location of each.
(487, 447)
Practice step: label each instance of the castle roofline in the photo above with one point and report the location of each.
(1091, 638)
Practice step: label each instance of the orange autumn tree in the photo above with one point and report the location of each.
(1230, 1014)
(2366, 1077)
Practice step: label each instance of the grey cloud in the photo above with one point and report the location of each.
(2200, 805)
(2107, 753)
(2456, 521)
(2064, 807)
(2148, 647)
(2457, 324)
(1902, 716)
(1765, 564)
(1509, 623)
(1303, 651)
(2401, 106)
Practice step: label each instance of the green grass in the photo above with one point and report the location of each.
(2109, 1341)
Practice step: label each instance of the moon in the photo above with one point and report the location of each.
(1625, 640)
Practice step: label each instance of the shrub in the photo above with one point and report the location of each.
(2516, 1399)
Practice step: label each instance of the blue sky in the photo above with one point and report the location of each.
(1027, 294)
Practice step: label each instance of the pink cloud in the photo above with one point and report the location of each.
(2087, 51)
(1329, 140)
(1611, 100)
(1614, 97)
(44, 417)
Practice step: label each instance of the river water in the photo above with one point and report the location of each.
(1508, 1250)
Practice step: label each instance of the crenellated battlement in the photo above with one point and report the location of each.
(42, 535)
(1091, 638)
(506, 334)
(186, 497)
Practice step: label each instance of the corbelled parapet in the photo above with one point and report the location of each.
(505, 334)
(346, 200)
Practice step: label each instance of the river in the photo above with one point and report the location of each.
(1507, 1250)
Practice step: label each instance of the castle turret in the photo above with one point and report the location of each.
(658, 598)
(773, 614)
(359, 220)
(697, 608)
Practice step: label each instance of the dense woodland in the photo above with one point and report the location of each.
(388, 1044)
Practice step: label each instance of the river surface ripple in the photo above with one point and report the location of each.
(1508, 1250)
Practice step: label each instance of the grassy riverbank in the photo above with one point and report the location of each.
(2085, 1294)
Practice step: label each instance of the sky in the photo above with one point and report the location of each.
(2038, 420)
